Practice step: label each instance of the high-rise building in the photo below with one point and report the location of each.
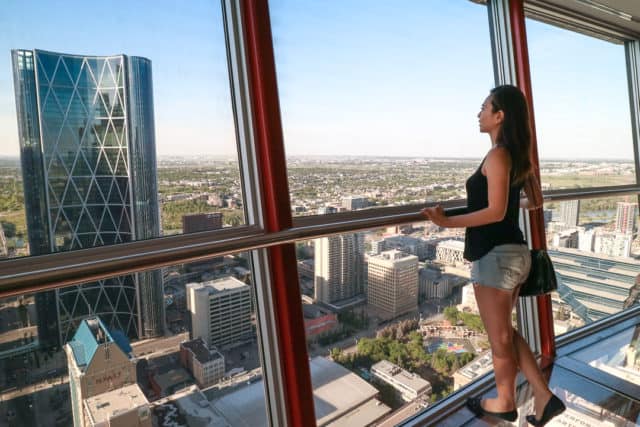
(201, 222)
(339, 265)
(88, 158)
(569, 213)
(99, 362)
(195, 223)
(220, 312)
(627, 218)
(393, 283)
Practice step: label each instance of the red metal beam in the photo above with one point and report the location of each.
(272, 168)
(538, 240)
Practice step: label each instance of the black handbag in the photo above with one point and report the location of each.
(542, 277)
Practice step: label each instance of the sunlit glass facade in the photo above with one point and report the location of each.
(89, 170)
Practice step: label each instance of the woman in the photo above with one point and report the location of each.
(498, 252)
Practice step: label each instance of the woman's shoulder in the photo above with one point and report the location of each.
(497, 156)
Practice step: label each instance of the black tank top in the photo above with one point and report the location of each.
(478, 241)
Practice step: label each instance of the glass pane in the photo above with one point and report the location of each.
(594, 247)
(616, 355)
(204, 368)
(379, 104)
(587, 404)
(114, 115)
(395, 307)
(581, 104)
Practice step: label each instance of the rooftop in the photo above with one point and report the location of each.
(478, 366)
(313, 311)
(190, 405)
(90, 334)
(401, 376)
(452, 244)
(173, 380)
(393, 256)
(200, 350)
(220, 285)
(107, 405)
(336, 392)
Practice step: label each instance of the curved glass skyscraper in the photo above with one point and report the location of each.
(88, 157)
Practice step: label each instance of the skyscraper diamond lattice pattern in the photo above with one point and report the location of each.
(76, 148)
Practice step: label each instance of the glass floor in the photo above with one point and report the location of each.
(597, 377)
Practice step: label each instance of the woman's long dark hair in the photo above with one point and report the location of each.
(515, 132)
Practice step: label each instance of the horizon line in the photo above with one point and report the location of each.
(355, 156)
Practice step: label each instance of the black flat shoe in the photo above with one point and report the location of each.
(553, 407)
(475, 405)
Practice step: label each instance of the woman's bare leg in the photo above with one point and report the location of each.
(495, 306)
(530, 369)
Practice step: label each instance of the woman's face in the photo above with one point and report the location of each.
(488, 120)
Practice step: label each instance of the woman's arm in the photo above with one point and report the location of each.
(497, 166)
(534, 193)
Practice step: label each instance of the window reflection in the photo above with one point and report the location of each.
(594, 246)
(583, 125)
(356, 134)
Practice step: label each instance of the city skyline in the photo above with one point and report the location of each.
(366, 110)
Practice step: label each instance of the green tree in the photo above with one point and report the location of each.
(9, 229)
(451, 314)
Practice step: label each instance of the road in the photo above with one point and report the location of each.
(141, 348)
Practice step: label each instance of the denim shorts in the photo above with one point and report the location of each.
(504, 267)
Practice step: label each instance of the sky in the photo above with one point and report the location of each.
(355, 77)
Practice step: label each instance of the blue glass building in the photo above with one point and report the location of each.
(87, 141)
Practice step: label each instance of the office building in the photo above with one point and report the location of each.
(434, 284)
(569, 213)
(327, 210)
(353, 203)
(206, 365)
(393, 283)
(99, 361)
(568, 238)
(612, 244)
(586, 238)
(378, 246)
(473, 370)
(627, 218)
(169, 382)
(195, 223)
(86, 131)
(407, 385)
(468, 302)
(450, 252)
(593, 286)
(318, 321)
(339, 265)
(201, 222)
(408, 244)
(220, 312)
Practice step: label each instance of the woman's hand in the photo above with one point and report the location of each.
(436, 215)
